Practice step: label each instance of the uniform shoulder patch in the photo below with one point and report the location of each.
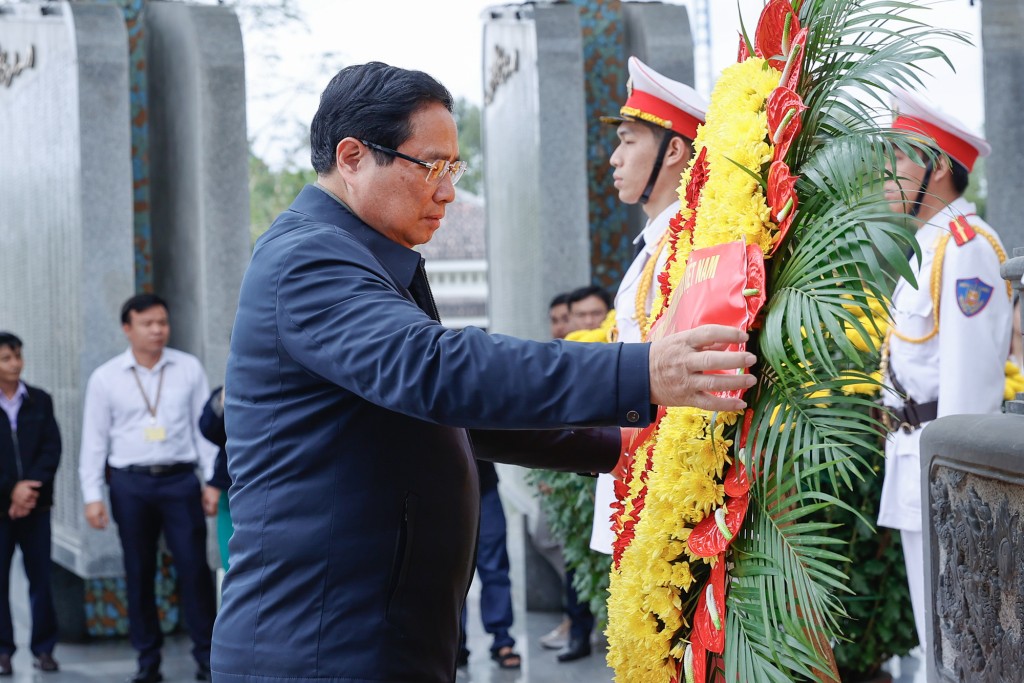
(962, 231)
(972, 295)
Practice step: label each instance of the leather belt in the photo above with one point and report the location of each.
(160, 470)
(911, 416)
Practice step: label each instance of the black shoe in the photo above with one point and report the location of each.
(147, 674)
(578, 649)
(46, 662)
(203, 672)
(5, 666)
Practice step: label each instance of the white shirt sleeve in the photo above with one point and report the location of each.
(972, 344)
(96, 421)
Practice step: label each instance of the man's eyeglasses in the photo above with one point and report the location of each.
(438, 168)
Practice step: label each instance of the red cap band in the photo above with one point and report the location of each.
(676, 119)
(954, 146)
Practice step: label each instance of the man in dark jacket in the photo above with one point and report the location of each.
(355, 497)
(29, 454)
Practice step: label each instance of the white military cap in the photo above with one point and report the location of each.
(912, 113)
(661, 101)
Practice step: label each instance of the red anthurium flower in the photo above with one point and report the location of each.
(755, 292)
(707, 538)
(775, 30)
(743, 53)
(783, 108)
(748, 421)
(794, 61)
(736, 482)
(696, 660)
(782, 199)
(781, 189)
(700, 664)
(698, 176)
(709, 618)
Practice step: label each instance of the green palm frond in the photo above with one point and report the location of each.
(859, 51)
(795, 426)
(810, 440)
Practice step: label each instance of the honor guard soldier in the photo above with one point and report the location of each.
(656, 127)
(946, 351)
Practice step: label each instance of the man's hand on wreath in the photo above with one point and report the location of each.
(680, 366)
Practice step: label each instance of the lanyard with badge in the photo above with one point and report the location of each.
(154, 432)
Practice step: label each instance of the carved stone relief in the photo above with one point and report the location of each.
(979, 604)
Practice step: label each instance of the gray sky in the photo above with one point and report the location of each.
(444, 39)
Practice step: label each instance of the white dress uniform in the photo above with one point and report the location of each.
(659, 101)
(601, 536)
(951, 351)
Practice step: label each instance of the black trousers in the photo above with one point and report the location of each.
(32, 533)
(144, 505)
(581, 619)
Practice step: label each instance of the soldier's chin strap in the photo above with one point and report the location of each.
(927, 178)
(658, 161)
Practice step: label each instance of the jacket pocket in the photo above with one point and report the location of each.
(401, 564)
(914, 315)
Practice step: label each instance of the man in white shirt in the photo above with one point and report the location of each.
(656, 128)
(955, 368)
(141, 419)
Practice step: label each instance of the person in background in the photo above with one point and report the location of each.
(215, 494)
(558, 316)
(588, 320)
(588, 307)
(141, 419)
(30, 449)
(946, 350)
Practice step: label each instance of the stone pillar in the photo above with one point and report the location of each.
(972, 486)
(534, 135)
(1002, 24)
(66, 257)
(199, 173)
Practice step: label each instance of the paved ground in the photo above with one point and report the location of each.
(113, 661)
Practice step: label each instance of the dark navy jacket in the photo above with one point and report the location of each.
(355, 498)
(39, 448)
(211, 426)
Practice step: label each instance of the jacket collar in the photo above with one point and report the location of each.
(324, 207)
(21, 391)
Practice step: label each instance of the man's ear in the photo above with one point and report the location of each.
(349, 154)
(679, 151)
(941, 168)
